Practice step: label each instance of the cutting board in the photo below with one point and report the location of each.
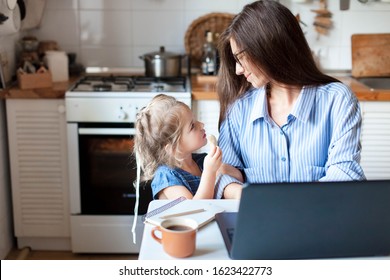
(370, 55)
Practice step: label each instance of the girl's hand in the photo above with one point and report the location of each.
(213, 160)
(212, 163)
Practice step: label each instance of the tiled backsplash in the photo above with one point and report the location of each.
(115, 33)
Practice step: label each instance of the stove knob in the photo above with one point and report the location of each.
(122, 115)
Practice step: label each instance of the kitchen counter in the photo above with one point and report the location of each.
(57, 90)
(203, 88)
(363, 92)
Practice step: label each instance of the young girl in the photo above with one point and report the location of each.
(166, 139)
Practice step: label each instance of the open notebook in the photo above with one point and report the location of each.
(203, 211)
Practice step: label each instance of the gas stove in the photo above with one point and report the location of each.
(101, 114)
(95, 98)
(97, 86)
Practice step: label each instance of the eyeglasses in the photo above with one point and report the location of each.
(235, 55)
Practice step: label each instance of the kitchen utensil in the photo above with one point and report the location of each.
(10, 20)
(47, 46)
(11, 4)
(162, 63)
(28, 67)
(344, 5)
(22, 9)
(2, 79)
(29, 44)
(322, 21)
(57, 62)
(195, 34)
(34, 14)
(370, 55)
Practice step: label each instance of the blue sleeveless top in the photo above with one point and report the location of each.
(166, 176)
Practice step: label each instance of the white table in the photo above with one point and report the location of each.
(209, 241)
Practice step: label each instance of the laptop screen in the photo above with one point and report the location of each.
(313, 220)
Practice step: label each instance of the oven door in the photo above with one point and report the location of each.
(103, 169)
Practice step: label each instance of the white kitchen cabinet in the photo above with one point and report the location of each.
(207, 112)
(39, 172)
(375, 139)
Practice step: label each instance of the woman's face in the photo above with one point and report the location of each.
(193, 134)
(245, 67)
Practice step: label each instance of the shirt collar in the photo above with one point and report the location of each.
(301, 110)
(259, 109)
(304, 104)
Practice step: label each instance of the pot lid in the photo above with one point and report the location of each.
(162, 54)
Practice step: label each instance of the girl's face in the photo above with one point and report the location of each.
(193, 134)
(244, 67)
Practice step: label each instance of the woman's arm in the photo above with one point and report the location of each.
(232, 191)
(232, 171)
(229, 143)
(343, 162)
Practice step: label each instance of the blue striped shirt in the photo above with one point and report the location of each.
(320, 140)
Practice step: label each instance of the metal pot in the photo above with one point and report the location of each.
(162, 64)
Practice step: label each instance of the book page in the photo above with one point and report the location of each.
(202, 218)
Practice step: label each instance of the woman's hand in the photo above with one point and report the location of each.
(231, 171)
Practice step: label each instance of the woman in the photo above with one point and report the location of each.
(281, 119)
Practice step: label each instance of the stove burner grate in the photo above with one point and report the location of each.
(102, 87)
(130, 84)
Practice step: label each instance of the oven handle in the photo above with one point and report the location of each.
(107, 131)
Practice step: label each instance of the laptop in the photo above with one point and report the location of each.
(309, 220)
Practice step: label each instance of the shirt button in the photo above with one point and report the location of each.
(283, 159)
(281, 132)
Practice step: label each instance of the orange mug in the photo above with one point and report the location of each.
(178, 236)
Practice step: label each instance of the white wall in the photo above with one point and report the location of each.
(334, 50)
(115, 33)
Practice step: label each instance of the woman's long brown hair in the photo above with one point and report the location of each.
(272, 39)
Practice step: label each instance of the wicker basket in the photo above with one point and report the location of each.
(195, 34)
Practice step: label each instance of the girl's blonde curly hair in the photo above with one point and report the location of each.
(158, 132)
